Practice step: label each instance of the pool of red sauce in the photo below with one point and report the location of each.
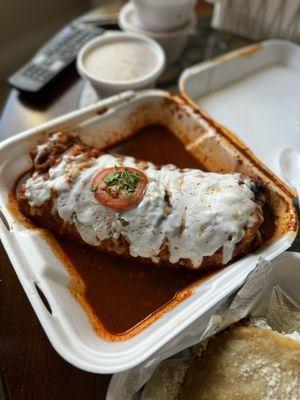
(122, 295)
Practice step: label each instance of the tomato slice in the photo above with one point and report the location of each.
(115, 195)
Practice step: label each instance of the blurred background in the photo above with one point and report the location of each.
(26, 25)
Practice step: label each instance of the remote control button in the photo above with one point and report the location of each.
(56, 65)
(39, 59)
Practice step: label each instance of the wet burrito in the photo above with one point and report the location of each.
(160, 215)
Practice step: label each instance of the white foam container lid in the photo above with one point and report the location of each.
(254, 92)
(67, 326)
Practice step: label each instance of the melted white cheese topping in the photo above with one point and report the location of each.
(208, 211)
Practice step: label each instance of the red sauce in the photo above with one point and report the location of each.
(122, 296)
(119, 294)
(157, 144)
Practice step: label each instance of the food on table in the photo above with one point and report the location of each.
(156, 214)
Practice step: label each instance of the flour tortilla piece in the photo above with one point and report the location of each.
(241, 363)
(245, 363)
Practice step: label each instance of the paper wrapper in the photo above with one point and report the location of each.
(238, 306)
(283, 312)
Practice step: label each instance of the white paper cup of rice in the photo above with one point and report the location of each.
(118, 61)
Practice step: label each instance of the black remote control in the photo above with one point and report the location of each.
(54, 57)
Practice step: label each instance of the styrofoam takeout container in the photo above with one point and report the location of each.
(254, 92)
(161, 16)
(173, 42)
(105, 123)
(286, 272)
(104, 87)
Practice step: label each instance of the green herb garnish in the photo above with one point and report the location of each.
(123, 221)
(94, 188)
(122, 179)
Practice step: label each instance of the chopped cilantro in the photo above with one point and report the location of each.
(122, 179)
(94, 188)
(123, 221)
